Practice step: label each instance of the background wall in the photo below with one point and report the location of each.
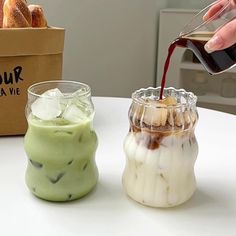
(188, 4)
(110, 44)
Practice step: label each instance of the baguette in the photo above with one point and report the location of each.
(16, 14)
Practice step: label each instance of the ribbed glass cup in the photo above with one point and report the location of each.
(161, 148)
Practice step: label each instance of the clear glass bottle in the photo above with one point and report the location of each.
(60, 141)
(161, 148)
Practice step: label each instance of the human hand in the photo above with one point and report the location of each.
(226, 35)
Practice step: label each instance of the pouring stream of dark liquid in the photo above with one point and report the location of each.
(166, 67)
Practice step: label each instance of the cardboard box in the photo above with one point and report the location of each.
(27, 56)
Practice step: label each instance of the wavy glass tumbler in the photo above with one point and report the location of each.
(161, 148)
(60, 141)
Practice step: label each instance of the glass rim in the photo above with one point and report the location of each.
(86, 92)
(191, 101)
(226, 4)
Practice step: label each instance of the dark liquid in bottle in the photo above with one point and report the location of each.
(214, 62)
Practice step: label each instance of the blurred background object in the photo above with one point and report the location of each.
(111, 44)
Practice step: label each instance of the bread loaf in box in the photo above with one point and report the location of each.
(16, 14)
(1, 12)
(38, 18)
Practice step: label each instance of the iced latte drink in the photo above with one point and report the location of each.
(60, 141)
(161, 147)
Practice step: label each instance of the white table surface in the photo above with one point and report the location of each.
(107, 211)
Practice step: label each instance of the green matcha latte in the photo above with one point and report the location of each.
(60, 142)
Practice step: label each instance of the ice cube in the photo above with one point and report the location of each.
(183, 100)
(58, 94)
(169, 101)
(74, 114)
(53, 93)
(48, 107)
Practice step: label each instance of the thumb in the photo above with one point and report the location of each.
(223, 38)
